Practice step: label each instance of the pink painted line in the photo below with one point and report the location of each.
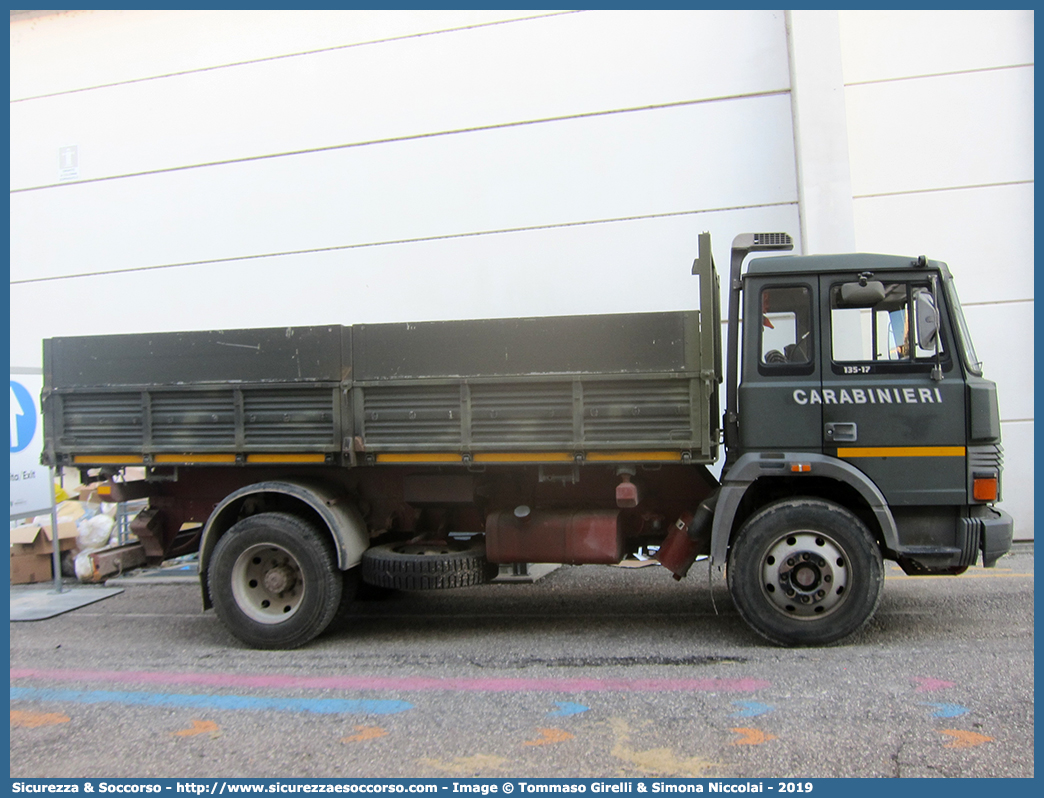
(926, 684)
(400, 684)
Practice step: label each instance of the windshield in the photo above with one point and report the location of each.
(965, 339)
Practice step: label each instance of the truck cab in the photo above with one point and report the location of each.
(858, 389)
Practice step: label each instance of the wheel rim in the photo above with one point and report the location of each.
(267, 583)
(805, 575)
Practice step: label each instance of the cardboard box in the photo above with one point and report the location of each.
(36, 538)
(31, 551)
(28, 569)
(67, 511)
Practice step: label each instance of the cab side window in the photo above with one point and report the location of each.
(786, 330)
(897, 329)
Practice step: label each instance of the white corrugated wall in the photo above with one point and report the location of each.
(246, 169)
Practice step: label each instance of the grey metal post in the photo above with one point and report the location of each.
(56, 554)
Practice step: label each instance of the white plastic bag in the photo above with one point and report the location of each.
(83, 565)
(94, 532)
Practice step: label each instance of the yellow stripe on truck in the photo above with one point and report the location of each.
(107, 459)
(431, 457)
(902, 451)
(530, 457)
(523, 457)
(411, 457)
(191, 459)
(286, 458)
(634, 457)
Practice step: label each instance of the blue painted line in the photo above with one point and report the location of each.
(751, 709)
(947, 710)
(567, 708)
(320, 706)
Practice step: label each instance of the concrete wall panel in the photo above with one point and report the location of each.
(728, 154)
(892, 44)
(75, 50)
(985, 235)
(941, 132)
(520, 71)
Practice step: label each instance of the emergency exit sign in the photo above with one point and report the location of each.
(30, 481)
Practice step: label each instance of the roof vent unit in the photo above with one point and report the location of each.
(773, 240)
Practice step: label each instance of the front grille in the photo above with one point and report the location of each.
(986, 458)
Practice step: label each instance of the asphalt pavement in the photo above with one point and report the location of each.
(592, 671)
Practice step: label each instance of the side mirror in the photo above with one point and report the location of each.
(927, 318)
(856, 295)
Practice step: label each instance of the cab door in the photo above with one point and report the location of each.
(883, 410)
(781, 371)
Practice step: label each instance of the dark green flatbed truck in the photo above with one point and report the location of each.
(302, 461)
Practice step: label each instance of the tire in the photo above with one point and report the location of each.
(427, 566)
(274, 581)
(805, 572)
(346, 607)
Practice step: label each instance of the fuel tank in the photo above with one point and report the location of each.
(572, 537)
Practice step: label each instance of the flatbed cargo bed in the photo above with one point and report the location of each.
(555, 389)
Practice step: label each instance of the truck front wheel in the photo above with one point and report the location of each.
(274, 581)
(805, 572)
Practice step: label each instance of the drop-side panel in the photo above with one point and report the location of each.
(282, 354)
(554, 417)
(558, 387)
(235, 396)
(626, 343)
(192, 421)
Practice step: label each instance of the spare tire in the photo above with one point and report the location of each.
(427, 566)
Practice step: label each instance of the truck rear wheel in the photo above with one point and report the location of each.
(805, 572)
(274, 581)
(346, 609)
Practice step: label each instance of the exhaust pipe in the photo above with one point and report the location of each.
(688, 538)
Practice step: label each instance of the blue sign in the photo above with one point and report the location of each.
(23, 417)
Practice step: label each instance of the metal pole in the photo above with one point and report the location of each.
(56, 554)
